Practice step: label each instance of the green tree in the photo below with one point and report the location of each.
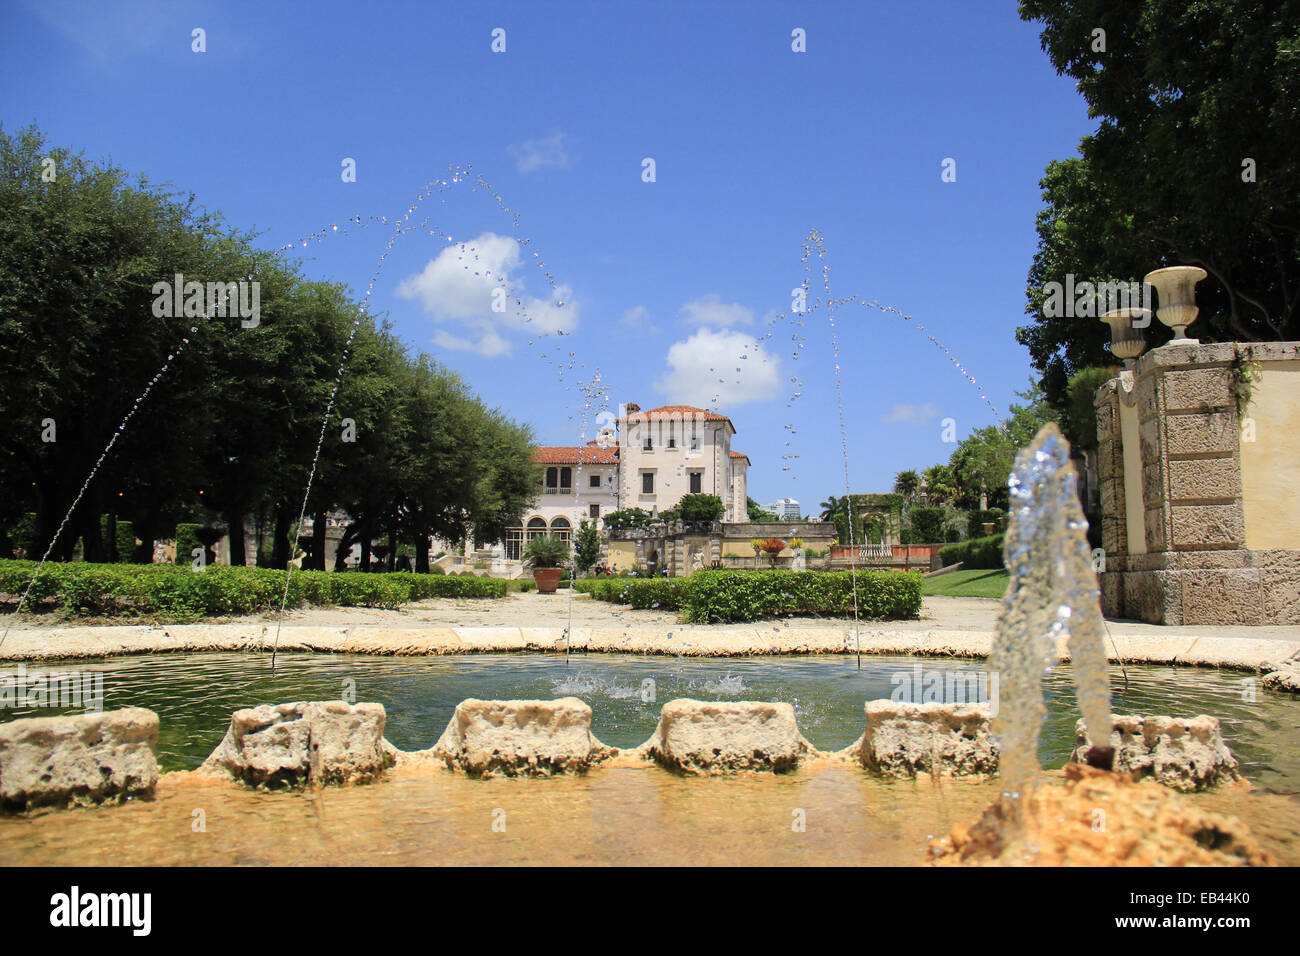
(586, 546)
(701, 508)
(230, 431)
(907, 483)
(756, 513)
(831, 507)
(1195, 161)
(940, 484)
(982, 461)
(1079, 419)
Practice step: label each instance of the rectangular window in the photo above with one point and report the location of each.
(595, 481)
(649, 444)
(647, 482)
(672, 437)
(566, 479)
(594, 512)
(697, 482)
(514, 543)
(695, 443)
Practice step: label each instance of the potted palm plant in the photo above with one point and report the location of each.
(546, 555)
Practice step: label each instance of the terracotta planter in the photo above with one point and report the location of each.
(548, 579)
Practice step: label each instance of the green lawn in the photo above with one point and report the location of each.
(980, 583)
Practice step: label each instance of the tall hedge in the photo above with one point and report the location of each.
(125, 539)
(927, 525)
(975, 553)
(187, 539)
(976, 519)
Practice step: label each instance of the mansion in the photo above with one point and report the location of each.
(648, 459)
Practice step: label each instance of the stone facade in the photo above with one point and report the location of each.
(682, 547)
(1174, 502)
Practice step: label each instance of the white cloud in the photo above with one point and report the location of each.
(720, 366)
(461, 284)
(535, 154)
(490, 344)
(711, 310)
(638, 318)
(912, 414)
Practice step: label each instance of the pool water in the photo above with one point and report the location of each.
(194, 695)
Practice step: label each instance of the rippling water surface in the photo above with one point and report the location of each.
(825, 814)
(194, 695)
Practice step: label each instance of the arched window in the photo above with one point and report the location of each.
(561, 528)
(536, 528)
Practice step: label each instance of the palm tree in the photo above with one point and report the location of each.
(906, 483)
(940, 485)
(831, 507)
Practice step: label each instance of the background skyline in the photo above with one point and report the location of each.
(754, 145)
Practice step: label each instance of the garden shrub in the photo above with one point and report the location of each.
(187, 539)
(124, 539)
(976, 520)
(720, 597)
(927, 525)
(179, 593)
(975, 553)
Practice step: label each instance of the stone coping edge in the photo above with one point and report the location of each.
(91, 642)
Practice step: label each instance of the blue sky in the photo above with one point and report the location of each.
(753, 145)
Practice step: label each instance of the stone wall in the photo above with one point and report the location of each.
(674, 546)
(1181, 555)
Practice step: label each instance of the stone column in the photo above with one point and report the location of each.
(1110, 471)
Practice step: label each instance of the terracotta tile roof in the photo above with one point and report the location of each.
(679, 411)
(741, 454)
(572, 455)
(669, 412)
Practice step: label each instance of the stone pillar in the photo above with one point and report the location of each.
(1110, 471)
(1192, 565)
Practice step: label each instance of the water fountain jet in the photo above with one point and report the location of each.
(1052, 599)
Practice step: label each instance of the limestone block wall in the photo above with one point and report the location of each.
(1172, 461)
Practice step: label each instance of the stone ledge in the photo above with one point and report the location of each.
(43, 644)
(307, 742)
(904, 739)
(700, 737)
(520, 737)
(79, 759)
(1183, 753)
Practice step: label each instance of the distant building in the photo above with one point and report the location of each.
(787, 509)
(651, 460)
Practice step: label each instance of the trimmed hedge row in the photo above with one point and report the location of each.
(663, 594)
(720, 597)
(974, 554)
(180, 594)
